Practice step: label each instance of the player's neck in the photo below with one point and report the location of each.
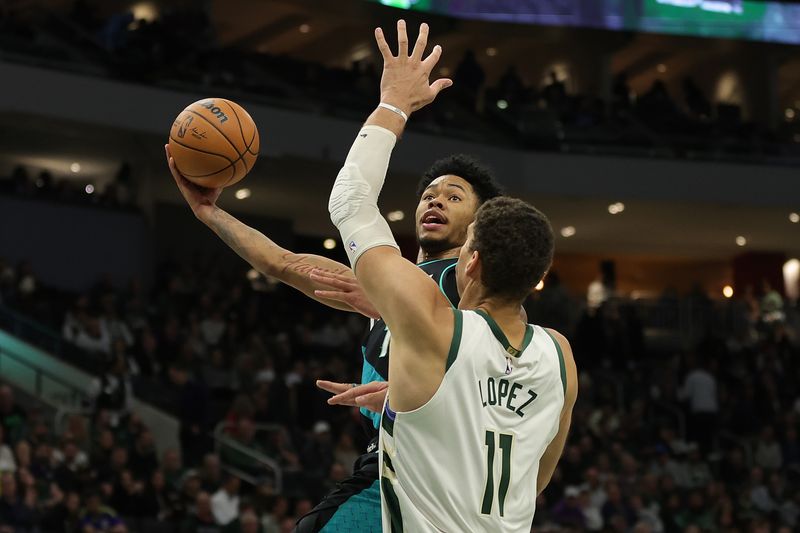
(424, 256)
(502, 311)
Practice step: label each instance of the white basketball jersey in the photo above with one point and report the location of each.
(467, 460)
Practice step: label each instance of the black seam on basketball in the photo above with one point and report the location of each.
(241, 130)
(226, 158)
(231, 162)
(255, 134)
(219, 130)
(233, 173)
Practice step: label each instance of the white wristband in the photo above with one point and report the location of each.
(394, 109)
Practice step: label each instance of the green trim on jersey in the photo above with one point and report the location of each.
(435, 260)
(456, 342)
(441, 284)
(392, 505)
(498, 333)
(561, 364)
(387, 424)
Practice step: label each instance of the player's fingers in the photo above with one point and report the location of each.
(383, 46)
(332, 295)
(333, 387)
(329, 280)
(440, 85)
(422, 42)
(430, 62)
(348, 397)
(373, 402)
(402, 40)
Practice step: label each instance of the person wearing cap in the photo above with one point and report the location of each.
(568, 512)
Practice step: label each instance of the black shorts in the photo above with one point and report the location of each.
(353, 507)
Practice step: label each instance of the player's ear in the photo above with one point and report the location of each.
(473, 265)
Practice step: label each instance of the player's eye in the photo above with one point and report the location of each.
(428, 197)
(455, 198)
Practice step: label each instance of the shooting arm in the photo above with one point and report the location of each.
(272, 260)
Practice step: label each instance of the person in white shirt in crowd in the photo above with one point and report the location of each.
(700, 391)
(7, 461)
(213, 328)
(225, 502)
(769, 455)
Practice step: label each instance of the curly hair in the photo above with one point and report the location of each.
(515, 242)
(466, 168)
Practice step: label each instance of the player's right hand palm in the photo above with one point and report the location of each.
(201, 200)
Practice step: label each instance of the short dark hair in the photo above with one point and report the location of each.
(515, 242)
(467, 168)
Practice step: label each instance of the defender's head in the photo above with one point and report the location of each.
(508, 250)
(450, 192)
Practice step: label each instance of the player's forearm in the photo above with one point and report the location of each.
(264, 255)
(549, 461)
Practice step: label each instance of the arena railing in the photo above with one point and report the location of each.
(38, 381)
(265, 469)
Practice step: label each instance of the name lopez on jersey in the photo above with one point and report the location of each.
(503, 392)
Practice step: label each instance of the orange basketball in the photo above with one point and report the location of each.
(214, 142)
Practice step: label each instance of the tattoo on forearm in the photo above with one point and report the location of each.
(301, 265)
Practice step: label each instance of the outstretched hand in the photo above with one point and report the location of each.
(405, 82)
(369, 396)
(344, 289)
(201, 200)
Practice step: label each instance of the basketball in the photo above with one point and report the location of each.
(214, 142)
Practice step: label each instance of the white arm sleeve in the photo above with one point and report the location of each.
(353, 204)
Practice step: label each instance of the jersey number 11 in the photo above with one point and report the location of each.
(488, 494)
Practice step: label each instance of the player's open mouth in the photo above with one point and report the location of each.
(433, 220)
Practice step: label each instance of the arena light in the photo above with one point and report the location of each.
(329, 244)
(304, 28)
(540, 285)
(89, 189)
(491, 51)
(741, 241)
(145, 11)
(444, 71)
(616, 208)
(568, 231)
(243, 194)
(661, 68)
(395, 216)
(252, 274)
(791, 278)
(794, 218)
(502, 104)
(727, 291)
(789, 114)
(75, 167)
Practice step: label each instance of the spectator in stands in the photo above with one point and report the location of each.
(17, 507)
(768, 450)
(201, 519)
(7, 461)
(468, 79)
(98, 518)
(113, 391)
(172, 468)
(700, 391)
(225, 502)
(568, 512)
(12, 417)
(64, 515)
(71, 465)
(211, 473)
(191, 398)
(143, 458)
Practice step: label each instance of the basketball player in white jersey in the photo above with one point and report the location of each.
(479, 402)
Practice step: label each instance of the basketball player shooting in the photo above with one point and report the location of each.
(449, 193)
(479, 402)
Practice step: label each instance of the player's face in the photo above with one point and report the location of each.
(445, 210)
